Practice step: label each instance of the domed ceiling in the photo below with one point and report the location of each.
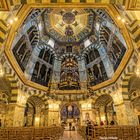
(68, 50)
(68, 25)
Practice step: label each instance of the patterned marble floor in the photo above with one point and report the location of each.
(71, 135)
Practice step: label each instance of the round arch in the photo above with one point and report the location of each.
(70, 111)
(35, 111)
(105, 111)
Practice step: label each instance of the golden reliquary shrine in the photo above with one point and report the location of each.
(69, 69)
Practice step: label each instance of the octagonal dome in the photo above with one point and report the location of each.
(68, 25)
(68, 50)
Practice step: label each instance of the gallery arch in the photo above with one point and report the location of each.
(70, 116)
(95, 67)
(105, 110)
(70, 111)
(34, 114)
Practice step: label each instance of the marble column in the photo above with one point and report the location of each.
(106, 61)
(56, 74)
(38, 72)
(82, 74)
(20, 46)
(31, 63)
(116, 31)
(99, 68)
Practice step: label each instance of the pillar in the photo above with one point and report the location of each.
(106, 61)
(15, 115)
(125, 114)
(124, 110)
(31, 63)
(82, 74)
(56, 74)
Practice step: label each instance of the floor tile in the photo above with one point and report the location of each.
(71, 135)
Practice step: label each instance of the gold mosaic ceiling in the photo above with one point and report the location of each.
(75, 18)
(68, 24)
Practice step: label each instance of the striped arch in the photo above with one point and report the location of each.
(28, 26)
(14, 85)
(133, 28)
(39, 94)
(13, 79)
(3, 32)
(105, 91)
(125, 83)
(101, 92)
(127, 73)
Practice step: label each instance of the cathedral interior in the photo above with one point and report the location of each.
(69, 62)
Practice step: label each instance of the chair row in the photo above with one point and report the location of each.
(31, 133)
(111, 132)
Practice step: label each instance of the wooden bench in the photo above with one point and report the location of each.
(31, 133)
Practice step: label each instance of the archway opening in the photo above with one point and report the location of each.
(105, 111)
(34, 112)
(70, 115)
(134, 94)
(5, 99)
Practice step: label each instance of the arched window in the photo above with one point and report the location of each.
(102, 68)
(87, 59)
(33, 34)
(46, 56)
(96, 71)
(96, 53)
(41, 53)
(29, 114)
(51, 59)
(26, 58)
(43, 72)
(35, 72)
(17, 46)
(21, 51)
(48, 76)
(91, 55)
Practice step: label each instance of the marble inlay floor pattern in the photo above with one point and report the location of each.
(71, 135)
